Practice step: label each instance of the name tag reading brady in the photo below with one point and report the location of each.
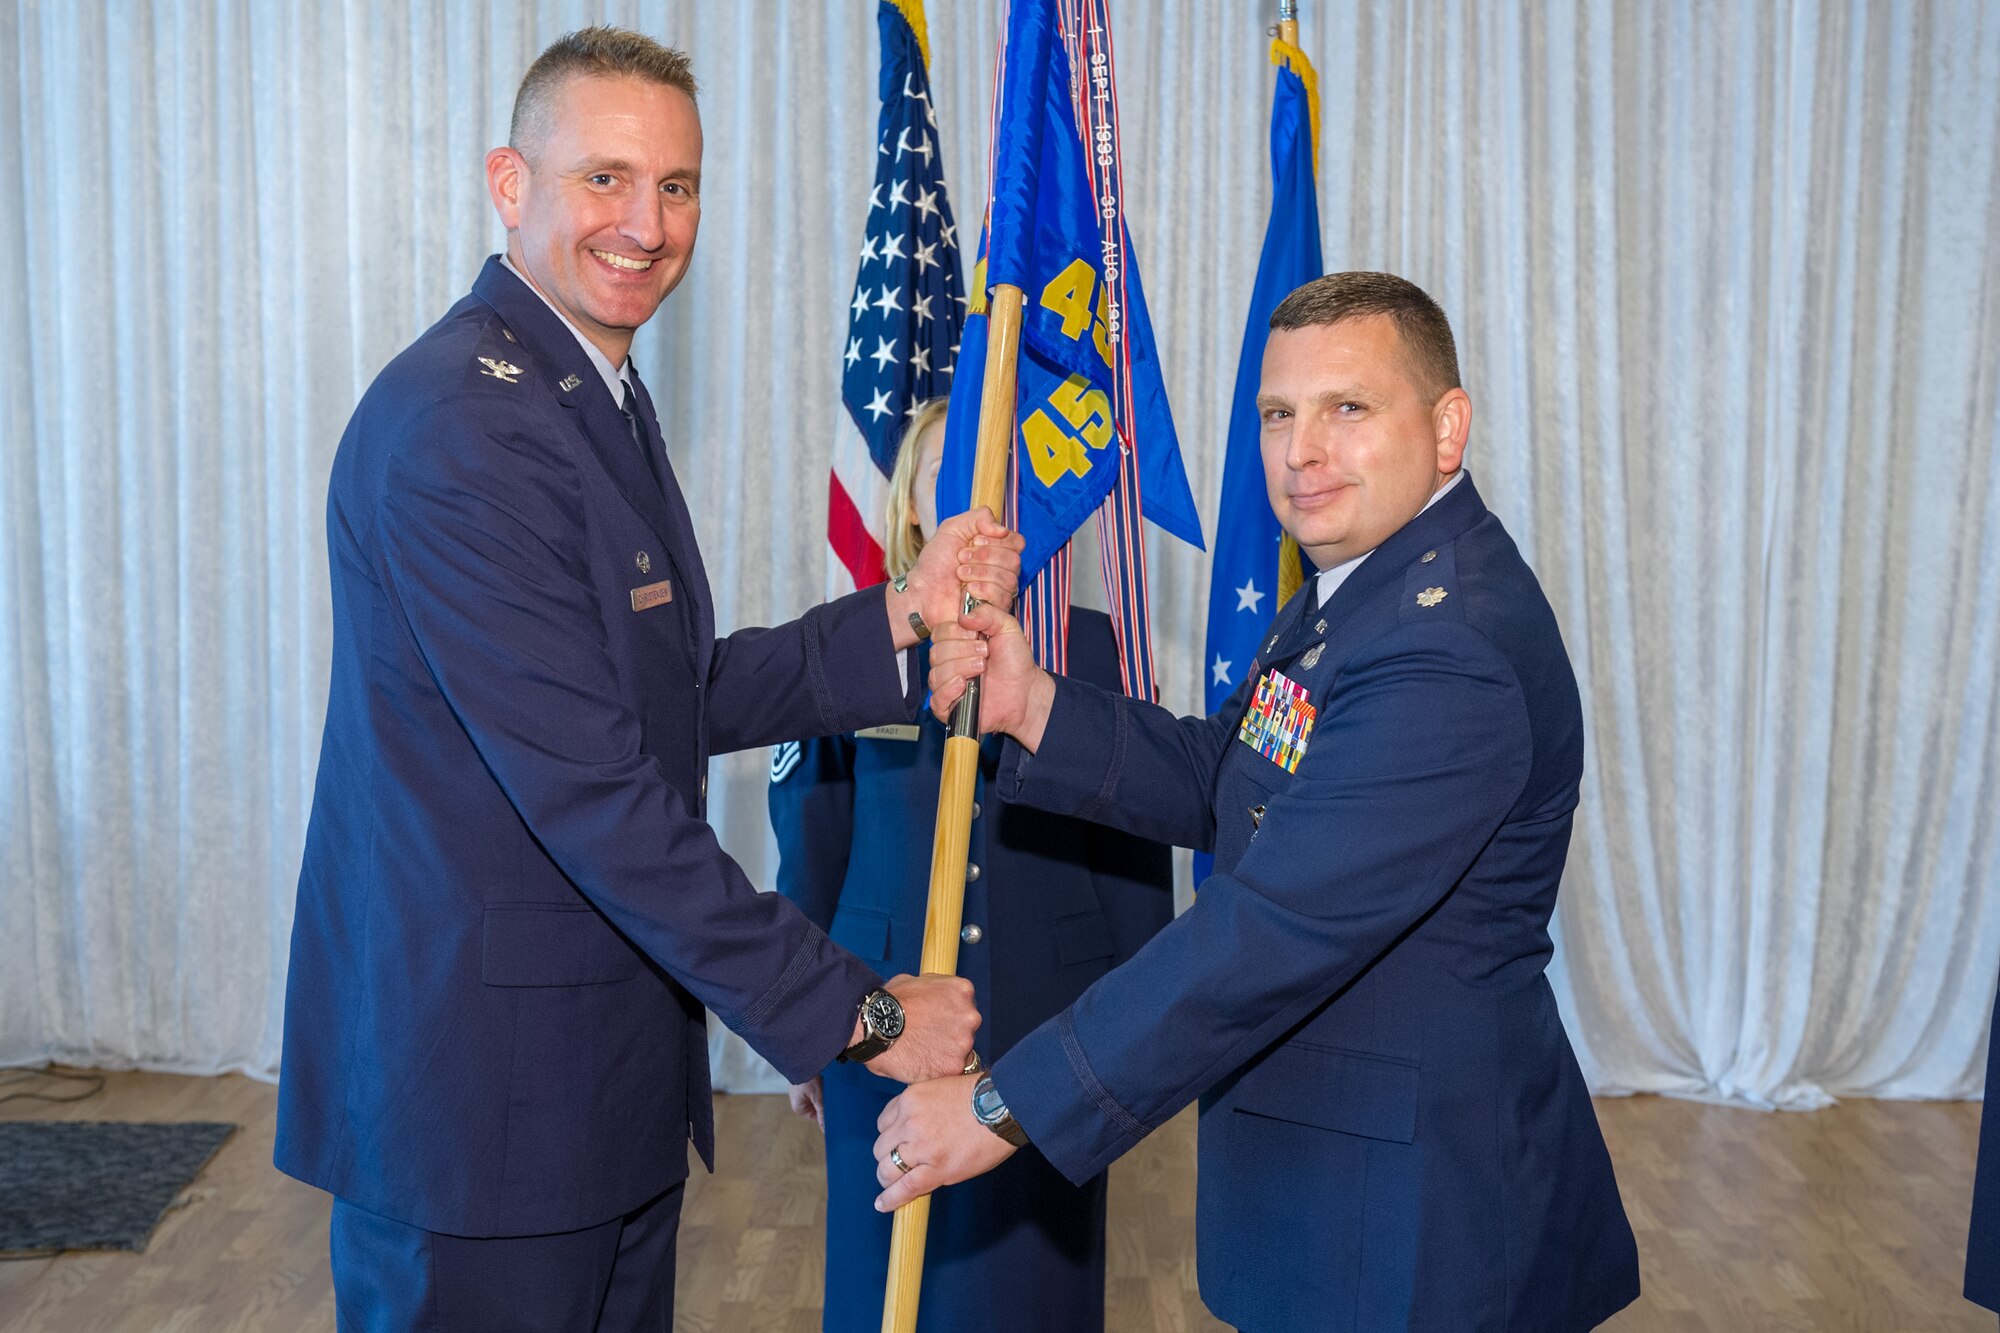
(1279, 720)
(653, 594)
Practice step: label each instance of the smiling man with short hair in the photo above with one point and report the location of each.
(512, 910)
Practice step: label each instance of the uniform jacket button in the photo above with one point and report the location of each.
(972, 934)
(975, 809)
(971, 872)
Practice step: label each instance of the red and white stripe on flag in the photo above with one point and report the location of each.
(856, 494)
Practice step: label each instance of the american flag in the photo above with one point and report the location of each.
(908, 302)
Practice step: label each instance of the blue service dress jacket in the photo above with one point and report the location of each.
(1051, 904)
(1394, 1131)
(512, 909)
(1982, 1245)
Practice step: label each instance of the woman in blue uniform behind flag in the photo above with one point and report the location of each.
(1051, 904)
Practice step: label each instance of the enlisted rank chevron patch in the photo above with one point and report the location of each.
(784, 758)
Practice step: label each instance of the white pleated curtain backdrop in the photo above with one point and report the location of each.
(1727, 287)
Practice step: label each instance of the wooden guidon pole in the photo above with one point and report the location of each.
(956, 782)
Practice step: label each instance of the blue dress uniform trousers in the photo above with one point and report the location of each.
(615, 1277)
(1053, 903)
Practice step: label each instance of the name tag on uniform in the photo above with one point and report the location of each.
(652, 595)
(895, 731)
(1279, 721)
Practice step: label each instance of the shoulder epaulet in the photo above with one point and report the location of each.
(1429, 584)
(498, 355)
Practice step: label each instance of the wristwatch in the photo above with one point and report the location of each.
(881, 1024)
(993, 1113)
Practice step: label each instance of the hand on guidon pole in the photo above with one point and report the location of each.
(968, 553)
(939, 1019)
(1016, 694)
(930, 1126)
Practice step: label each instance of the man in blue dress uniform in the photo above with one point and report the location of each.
(512, 910)
(1394, 1131)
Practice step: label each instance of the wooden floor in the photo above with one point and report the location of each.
(1849, 1218)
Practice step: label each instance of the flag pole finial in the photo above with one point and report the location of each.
(1288, 22)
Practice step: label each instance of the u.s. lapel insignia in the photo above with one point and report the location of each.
(504, 371)
(1320, 628)
(645, 563)
(1430, 597)
(569, 382)
(1311, 659)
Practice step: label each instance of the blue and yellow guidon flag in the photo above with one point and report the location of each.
(1257, 568)
(1089, 375)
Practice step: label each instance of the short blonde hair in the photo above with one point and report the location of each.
(901, 538)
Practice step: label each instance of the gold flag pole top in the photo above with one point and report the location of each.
(955, 783)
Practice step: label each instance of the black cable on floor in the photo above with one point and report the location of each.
(96, 1082)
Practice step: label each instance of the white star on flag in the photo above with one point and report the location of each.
(1247, 596)
(908, 211)
(1220, 671)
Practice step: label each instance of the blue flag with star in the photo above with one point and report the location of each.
(1255, 566)
(1087, 346)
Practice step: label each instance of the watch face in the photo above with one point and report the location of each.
(885, 1016)
(986, 1103)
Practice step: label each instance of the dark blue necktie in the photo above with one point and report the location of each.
(642, 437)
